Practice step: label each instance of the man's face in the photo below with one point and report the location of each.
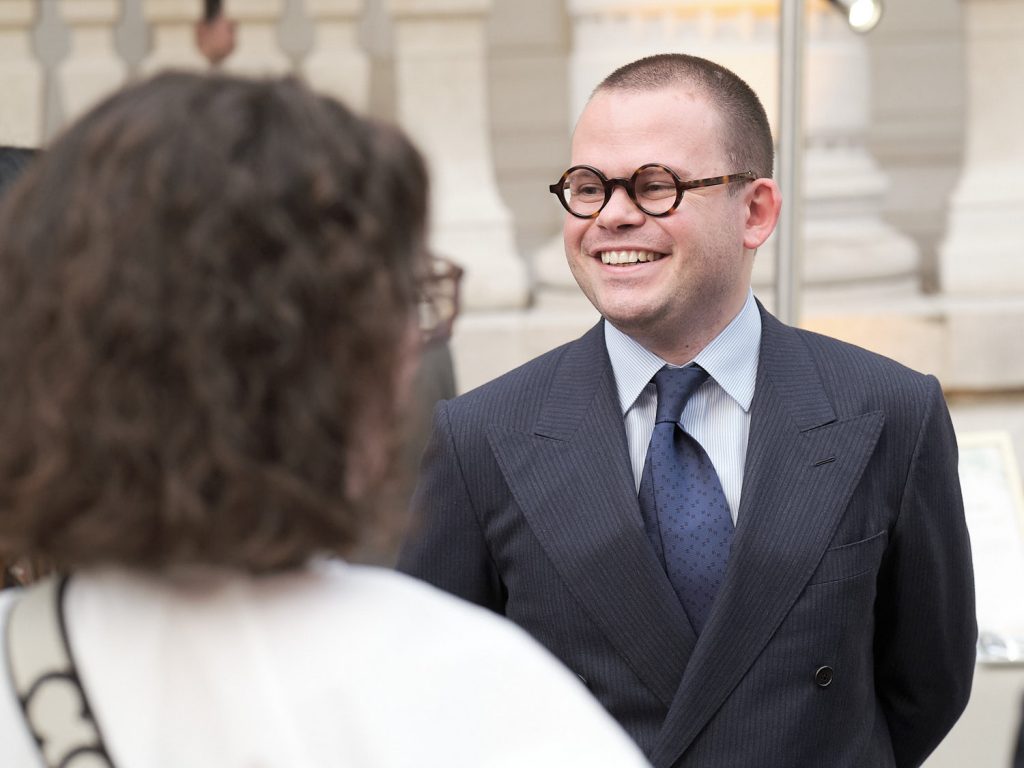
(699, 269)
(216, 38)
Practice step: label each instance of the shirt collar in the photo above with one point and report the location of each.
(730, 358)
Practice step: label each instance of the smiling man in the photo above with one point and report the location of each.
(747, 540)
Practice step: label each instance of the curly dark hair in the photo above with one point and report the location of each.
(206, 289)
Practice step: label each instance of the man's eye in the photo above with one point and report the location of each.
(657, 189)
(588, 190)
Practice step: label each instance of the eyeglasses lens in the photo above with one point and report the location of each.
(655, 189)
(583, 191)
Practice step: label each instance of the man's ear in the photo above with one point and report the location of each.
(764, 201)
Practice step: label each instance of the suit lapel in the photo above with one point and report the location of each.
(802, 465)
(573, 482)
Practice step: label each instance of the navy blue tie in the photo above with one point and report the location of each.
(682, 502)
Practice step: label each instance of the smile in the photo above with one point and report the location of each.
(629, 257)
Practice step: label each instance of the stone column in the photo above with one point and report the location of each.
(337, 65)
(983, 253)
(21, 77)
(258, 51)
(847, 241)
(92, 69)
(172, 23)
(442, 102)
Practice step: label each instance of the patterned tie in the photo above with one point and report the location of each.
(681, 499)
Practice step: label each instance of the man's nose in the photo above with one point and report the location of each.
(620, 211)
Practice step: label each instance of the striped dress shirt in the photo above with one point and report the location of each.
(717, 415)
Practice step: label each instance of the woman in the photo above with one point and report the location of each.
(207, 292)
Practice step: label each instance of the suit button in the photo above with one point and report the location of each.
(823, 677)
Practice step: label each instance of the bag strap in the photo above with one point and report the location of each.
(45, 680)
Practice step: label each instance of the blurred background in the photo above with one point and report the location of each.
(913, 191)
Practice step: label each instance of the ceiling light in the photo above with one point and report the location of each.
(862, 15)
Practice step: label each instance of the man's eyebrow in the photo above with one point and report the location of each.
(683, 174)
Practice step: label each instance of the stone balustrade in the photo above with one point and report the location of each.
(21, 76)
(489, 89)
(57, 63)
(60, 57)
(92, 68)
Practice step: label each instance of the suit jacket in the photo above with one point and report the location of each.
(844, 631)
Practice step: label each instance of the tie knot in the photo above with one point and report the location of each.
(675, 385)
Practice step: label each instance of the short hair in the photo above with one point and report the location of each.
(747, 135)
(206, 288)
(13, 160)
(212, 9)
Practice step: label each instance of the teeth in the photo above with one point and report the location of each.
(628, 257)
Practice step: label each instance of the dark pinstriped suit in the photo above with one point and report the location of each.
(850, 553)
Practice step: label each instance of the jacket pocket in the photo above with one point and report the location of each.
(849, 560)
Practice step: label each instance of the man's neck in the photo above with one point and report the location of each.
(681, 344)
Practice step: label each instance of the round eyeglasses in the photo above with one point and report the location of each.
(654, 188)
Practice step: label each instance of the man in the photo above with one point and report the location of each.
(215, 33)
(779, 577)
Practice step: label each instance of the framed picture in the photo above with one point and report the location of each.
(994, 505)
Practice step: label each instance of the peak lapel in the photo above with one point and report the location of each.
(573, 482)
(802, 465)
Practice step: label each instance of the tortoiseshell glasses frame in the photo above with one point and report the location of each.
(584, 191)
(439, 300)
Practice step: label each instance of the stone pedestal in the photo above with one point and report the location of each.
(982, 253)
(258, 51)
(846, 239)
(172, 24)
(337, 64)
(92, 69)
(442, 102)
(21, 77)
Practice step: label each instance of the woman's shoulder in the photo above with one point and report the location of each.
(393, 598)
(383, 652)
(485, 676)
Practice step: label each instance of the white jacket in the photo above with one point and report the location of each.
(335, 665)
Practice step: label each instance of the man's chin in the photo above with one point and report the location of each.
(632, 323)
